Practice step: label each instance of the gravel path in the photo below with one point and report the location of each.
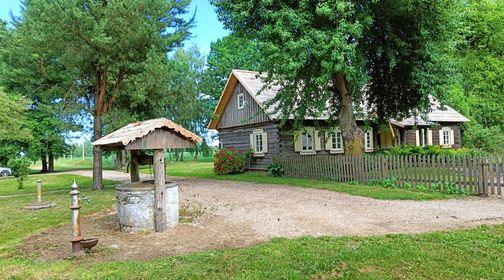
(237, 214)
(274, 210)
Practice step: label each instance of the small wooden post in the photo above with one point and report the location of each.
(483, 190)
(159, 189)
(134, 167)
(39, 190)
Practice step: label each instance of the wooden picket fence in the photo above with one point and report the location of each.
(470, 174)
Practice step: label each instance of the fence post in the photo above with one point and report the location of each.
(483, 190)
(385, 169)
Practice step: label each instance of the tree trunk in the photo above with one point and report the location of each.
(176, 154)
(118, 160)
(97, 153)
(351, 133)
(99, 102)
(181, 154)
(43, 159)
(51, 162)
(195, 152)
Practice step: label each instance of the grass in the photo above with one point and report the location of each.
(464, 254)
(205, 170)
(73, 164)
(50, 182)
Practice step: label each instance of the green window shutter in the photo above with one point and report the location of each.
(328, 141)
(317, 140)
(265, 142)
(297, 140)
(252, 142)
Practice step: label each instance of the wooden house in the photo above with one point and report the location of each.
(243, 123)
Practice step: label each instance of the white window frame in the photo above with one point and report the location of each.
(304, 135)
(334, 144)
(240, 97)
(258, 143)
(446, 131)
(259, 134)
(368, 140)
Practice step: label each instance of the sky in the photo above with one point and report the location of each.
(207, 28)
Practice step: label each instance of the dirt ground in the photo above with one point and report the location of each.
(224, 214)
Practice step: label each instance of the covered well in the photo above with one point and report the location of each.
(140, 203)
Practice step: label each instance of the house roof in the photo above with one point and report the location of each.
(253, 82)
(136, 130)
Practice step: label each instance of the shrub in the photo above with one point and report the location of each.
(276, 169)
(407, 150)
(20, 169)
(229, 161)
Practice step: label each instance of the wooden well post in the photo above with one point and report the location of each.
(134, 167)
(159, 191)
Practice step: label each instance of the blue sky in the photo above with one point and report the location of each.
(207, 28)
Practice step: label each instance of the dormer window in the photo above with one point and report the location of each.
(241, 101)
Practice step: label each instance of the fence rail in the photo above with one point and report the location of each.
(477, 175)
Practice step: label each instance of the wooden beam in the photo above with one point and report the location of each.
(159, 189)
(134, 167)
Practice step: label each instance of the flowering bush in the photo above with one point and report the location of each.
(229, 161)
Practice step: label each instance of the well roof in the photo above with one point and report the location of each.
(133, 131)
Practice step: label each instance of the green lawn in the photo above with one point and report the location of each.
(49, 182)
(205, 170)
(464, 254)
(73, 164)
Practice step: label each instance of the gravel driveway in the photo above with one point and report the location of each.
(274, 210)
(237, 214)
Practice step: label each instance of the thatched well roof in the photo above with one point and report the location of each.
(137, 130)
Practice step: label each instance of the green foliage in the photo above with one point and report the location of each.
(489, 139)
(20, 169)
(446, 187)
(478, 92)
(407, 150)
(229, 161)
(385, 182)
(276, 169)
(226, 54)
(13, 117)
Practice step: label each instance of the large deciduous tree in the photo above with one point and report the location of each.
(108, 46)
(323, 53)
(479, 91)
(226, 54)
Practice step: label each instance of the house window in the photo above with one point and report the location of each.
(241, 101)
(422, 134)
(259, 142)
(446, 137)
(258, 147)
(307, 141)
(368, 139)
(337, 141)
(399, 137)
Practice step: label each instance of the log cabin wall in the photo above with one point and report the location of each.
(238, 138)
(250, 114)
